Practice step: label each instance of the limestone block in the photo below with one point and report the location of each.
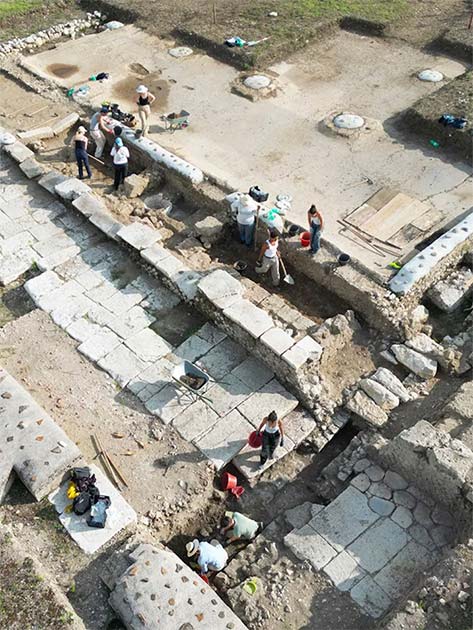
(426, 345)
(277, 340)
(87, 204)
(81, 329)
(36, 134)
(18, 152)
(361, 482)
(209, 229)
(168, 404)
(187, 283)
(377, 545)
(363, 406)
(311, 346)
(159, 590)
(253, 372)
(100, 344)
(122, 364)
(155, 254)
(65, 123)
(448, 294)
(139, 235)
(106, 223)
(193, 348)
(148, 346)
(90, 539)
(135, 185)
(32, 443)
(170, 267)
(386, 378)
(74, 308)
(42, 285)
(220, 288)
(298, 424)
(345, 519)
(71, 188)
(414, 361)
(31, 168)
(251, 318)
(308, 545)
(50, 179)
(296, 357)
(380, 394)
(344, 571)
(222, 358)
(370, 597)
(402, 516)
(272, 396)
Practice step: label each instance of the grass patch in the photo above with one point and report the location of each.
(19, 18)
(17, 7)
(382, 10)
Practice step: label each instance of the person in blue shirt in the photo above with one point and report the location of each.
(209, 556)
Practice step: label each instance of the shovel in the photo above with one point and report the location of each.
(287, 278)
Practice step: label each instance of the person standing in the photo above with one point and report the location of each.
(80, 148)
(271, 430)
(269, 258)
(246, 210)
(145, 100)
(120, 155)
(316, 225)
(209, 556)
(97, 129)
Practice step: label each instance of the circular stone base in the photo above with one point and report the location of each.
(180, 51)
(7, 138)
(257, 82)
(434, 76)
(348, 121)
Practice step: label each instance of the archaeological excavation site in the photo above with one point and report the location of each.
(236, 316)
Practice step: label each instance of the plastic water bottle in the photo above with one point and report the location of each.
(434, 143)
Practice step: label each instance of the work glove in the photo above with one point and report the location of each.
(281, 443)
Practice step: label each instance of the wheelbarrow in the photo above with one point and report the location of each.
(175, 121)
(193, 381)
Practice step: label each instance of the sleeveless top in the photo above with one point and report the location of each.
(80, 146)
(143, 100)
(272, 249)
(270, 429)
(315, 220)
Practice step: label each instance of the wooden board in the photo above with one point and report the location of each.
(382, 197)
(393, 216)
(360, 215)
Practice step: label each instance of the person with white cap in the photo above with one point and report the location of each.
(120, 156)
(145, 100)
(209, 556)
(80, 149)
(245, 208)
(97, 127)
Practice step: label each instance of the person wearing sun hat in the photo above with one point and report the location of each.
(97, 127)
(144, 102)
(245, 209)
(120, 156)
(80, 149)
(209, 556)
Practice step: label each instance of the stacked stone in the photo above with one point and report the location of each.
(35, 40)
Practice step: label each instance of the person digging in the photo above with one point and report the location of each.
(269, 258)
(272, 433)
(209, 557)
(98, 125)
(236, 526)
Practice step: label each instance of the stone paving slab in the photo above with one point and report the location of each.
(307, 544)
(253, 372)
(168, 403)
(248, 459)
(272, 396)
(91, 539)
(228, 393)
(31, 443)
(99, 345)
(148, 346)
(222, 358)
(344, 571)
(372, 599)
(225, 439)
(193, 348)
(220, 288)
(379, 544)
(138, 235)
(335, 526)
(122, 364)
(196, 420)
(251, 318)
(152, 380)
(298, 424)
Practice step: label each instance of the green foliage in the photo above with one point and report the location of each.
(17, 7)
(383, 10)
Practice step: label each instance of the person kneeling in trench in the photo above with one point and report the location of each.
(236, 526)
(210, 557)
(269, 258)
(271, 431)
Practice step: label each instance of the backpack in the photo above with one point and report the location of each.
(257, 194)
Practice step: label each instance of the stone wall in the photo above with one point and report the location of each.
(439, 465)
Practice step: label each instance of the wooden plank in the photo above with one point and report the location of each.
(428, 219)
(382, 197)
(393, 216)
(360, 215)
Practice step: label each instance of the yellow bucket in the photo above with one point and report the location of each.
(251, 586)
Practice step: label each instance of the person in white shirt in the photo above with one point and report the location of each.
(246, 210)
(97, 127)
(209, 556)
(269, 258)
(120, 156)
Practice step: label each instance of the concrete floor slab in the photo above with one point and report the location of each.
(90, 539)
(313, 84)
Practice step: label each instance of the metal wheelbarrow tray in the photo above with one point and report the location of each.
(175, 121)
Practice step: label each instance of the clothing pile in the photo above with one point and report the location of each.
(116, 113)
(86, 497)
(449, 120)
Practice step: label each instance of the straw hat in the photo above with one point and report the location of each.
(81, 129)
(247, 202)
(192, 548)
(142, 89)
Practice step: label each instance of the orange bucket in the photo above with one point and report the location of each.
(228, 481)
(305, 239)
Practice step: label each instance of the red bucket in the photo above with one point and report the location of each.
(255, 440)
(205, 578)
(228, 481)
(237, 491)
(305, 239)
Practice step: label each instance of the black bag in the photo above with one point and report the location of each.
(82, 503)
(257, 194)
(98, 512)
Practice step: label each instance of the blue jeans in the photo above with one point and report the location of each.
(83, 160)
(246, 233)
(314, 238)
